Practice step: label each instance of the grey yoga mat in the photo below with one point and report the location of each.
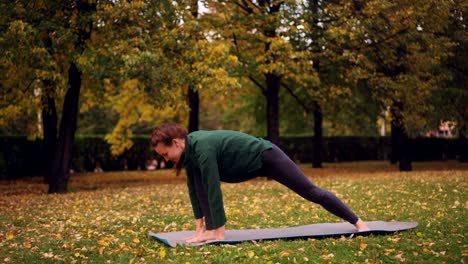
(316, 231)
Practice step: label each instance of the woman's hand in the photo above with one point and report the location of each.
(361, 226)
(208, 236)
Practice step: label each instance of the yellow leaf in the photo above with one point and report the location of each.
(103, 242)
(285, 253)
(27, 245)
(251, 254)
(136, 240)
(10, 236)
(363, 246)
(162, 253)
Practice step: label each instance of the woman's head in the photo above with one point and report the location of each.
(168, 140)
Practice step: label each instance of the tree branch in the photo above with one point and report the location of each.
(401, 31)
(259, 85)
(244, 6)
(234, 40)
(306, 108)
(29, 85)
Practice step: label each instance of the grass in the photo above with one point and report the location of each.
(105, 217)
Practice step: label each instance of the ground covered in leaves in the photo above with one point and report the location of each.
(106, 216)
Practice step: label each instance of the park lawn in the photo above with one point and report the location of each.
(106, 216)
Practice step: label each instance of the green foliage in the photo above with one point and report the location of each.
(149, 58)
(107, 216)
(401, 63)
(450, 99)
(22, 64)
(353, 59)
(138, 63)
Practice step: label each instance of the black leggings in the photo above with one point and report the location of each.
(279, 167)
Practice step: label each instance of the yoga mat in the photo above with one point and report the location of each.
(316, 231)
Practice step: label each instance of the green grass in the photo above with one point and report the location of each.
(106, 217)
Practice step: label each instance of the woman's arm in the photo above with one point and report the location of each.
(215, 216)
(208, 187)
(192, 193)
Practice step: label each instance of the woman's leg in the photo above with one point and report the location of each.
(278, 166)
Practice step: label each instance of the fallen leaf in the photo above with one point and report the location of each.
(10, 236)
(399, 257)
(162, 253)
(363, 246)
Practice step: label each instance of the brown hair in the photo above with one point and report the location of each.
(165, 133)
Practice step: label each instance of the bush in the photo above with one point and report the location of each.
(336, 149)
(22, 157)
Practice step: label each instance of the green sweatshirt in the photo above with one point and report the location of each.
(220, 155)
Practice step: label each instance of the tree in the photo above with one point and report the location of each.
(396, 48)
(326, 92)
(146, 59)
(63, 153)
(33, 57)
(451, 97)
(253, 28)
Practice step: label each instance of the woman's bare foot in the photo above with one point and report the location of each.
(361, 226)
(207, 236)
(203, 237)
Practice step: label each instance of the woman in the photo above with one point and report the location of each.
(213, 156)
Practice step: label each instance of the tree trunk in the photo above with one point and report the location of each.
(395, 148)
(462, 144)
(49, 122)
(318, 138)
(194, 104)
(63, 153)
(401, 140)
(272, 97)
(273, 80)
(405, 155)
(193, 96)
(316, 33)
